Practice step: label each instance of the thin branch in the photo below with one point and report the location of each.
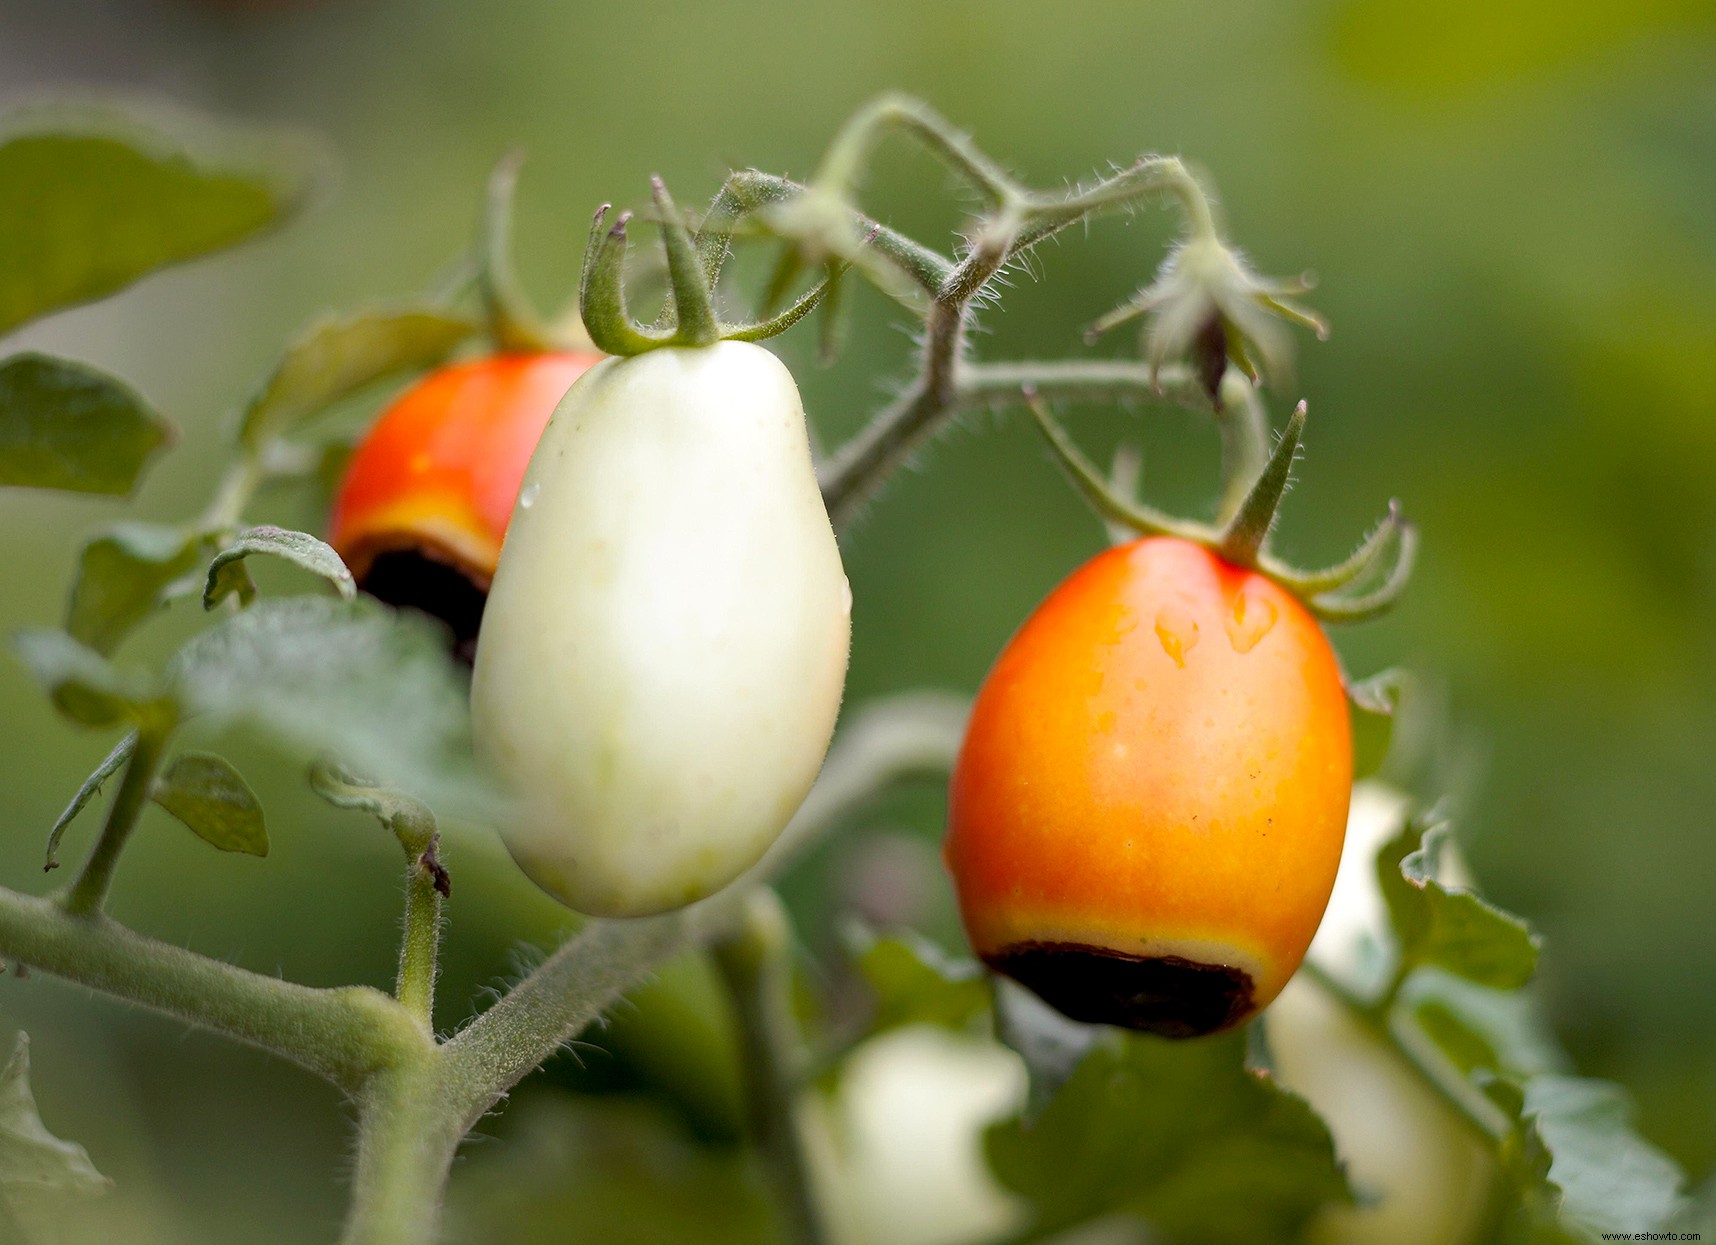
(87, 894)
(1441, 1077)
(893, 739)
(341, 1034)
(1080, 380)
(756, 965)
(848, 155)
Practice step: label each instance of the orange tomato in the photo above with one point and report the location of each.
(1147, 811)
(425, 500)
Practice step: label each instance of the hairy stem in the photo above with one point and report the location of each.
(756, 964)
(843, 165)
(420, 947)
(88, 892)
(897, 738)
(1244, 428)
(1079, 380)
(233, 494)
(406, 1142)
(341, 1034)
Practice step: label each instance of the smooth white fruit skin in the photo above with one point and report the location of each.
(664, 646)
(899, 1147)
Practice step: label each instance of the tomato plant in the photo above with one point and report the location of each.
(1148, 795)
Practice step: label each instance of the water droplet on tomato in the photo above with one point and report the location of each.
(1249, 621)
(527, 499)
(845, 595)
(1178, 632)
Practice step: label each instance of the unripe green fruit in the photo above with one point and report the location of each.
(664, 649)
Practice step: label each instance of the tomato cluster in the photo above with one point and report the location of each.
(1148, 809)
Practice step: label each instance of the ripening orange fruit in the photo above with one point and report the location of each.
(1147, 812)
(425, 500)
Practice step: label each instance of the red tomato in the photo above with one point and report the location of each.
(1147, 812)
(424, 504)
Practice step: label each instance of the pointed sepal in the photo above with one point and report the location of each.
(1124, 513)
(693, 303)
(1361, 607)
(1362, 561)
(513, 323)
(1242, 542)
(602, 293)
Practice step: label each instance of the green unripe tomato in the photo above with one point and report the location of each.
(664, 649)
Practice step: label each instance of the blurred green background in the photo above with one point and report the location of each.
(1509, 208)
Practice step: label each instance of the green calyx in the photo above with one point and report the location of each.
(1358, 588)
(693, 267)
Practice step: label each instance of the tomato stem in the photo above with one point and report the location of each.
(88, 893)
(756, 964)
(512, 322)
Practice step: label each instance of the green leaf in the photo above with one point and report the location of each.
(1482, 1030)
(211, 797)
(91, 788)
(916, 982)
(93, 201)
(226, 572)
(1573, 1168)
(30, 1156)
(123, 576)
(1179, 1134)
(64, 425)
(338, 356)
(1450, 927)
(89, 689)
(1611, 1179)
(1051, 1045)
(619, 1169)
(376, 688)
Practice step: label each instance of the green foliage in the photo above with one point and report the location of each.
(593, 1172)
(211, 797)
(90, 202)
(915, 982)
(376, 688)
(32, 1160)
(1051, 1045)
(226, 572)
(123, 575)
(89, 689)
(338, 356)
(89, 790)
(1571, 1165)
(1610, 1178)
(1446, 926)
(64, 425)
(1181, 1134)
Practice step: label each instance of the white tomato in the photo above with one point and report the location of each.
(663, 654)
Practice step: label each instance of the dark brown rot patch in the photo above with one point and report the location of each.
(1165, 995)
(409, 580)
